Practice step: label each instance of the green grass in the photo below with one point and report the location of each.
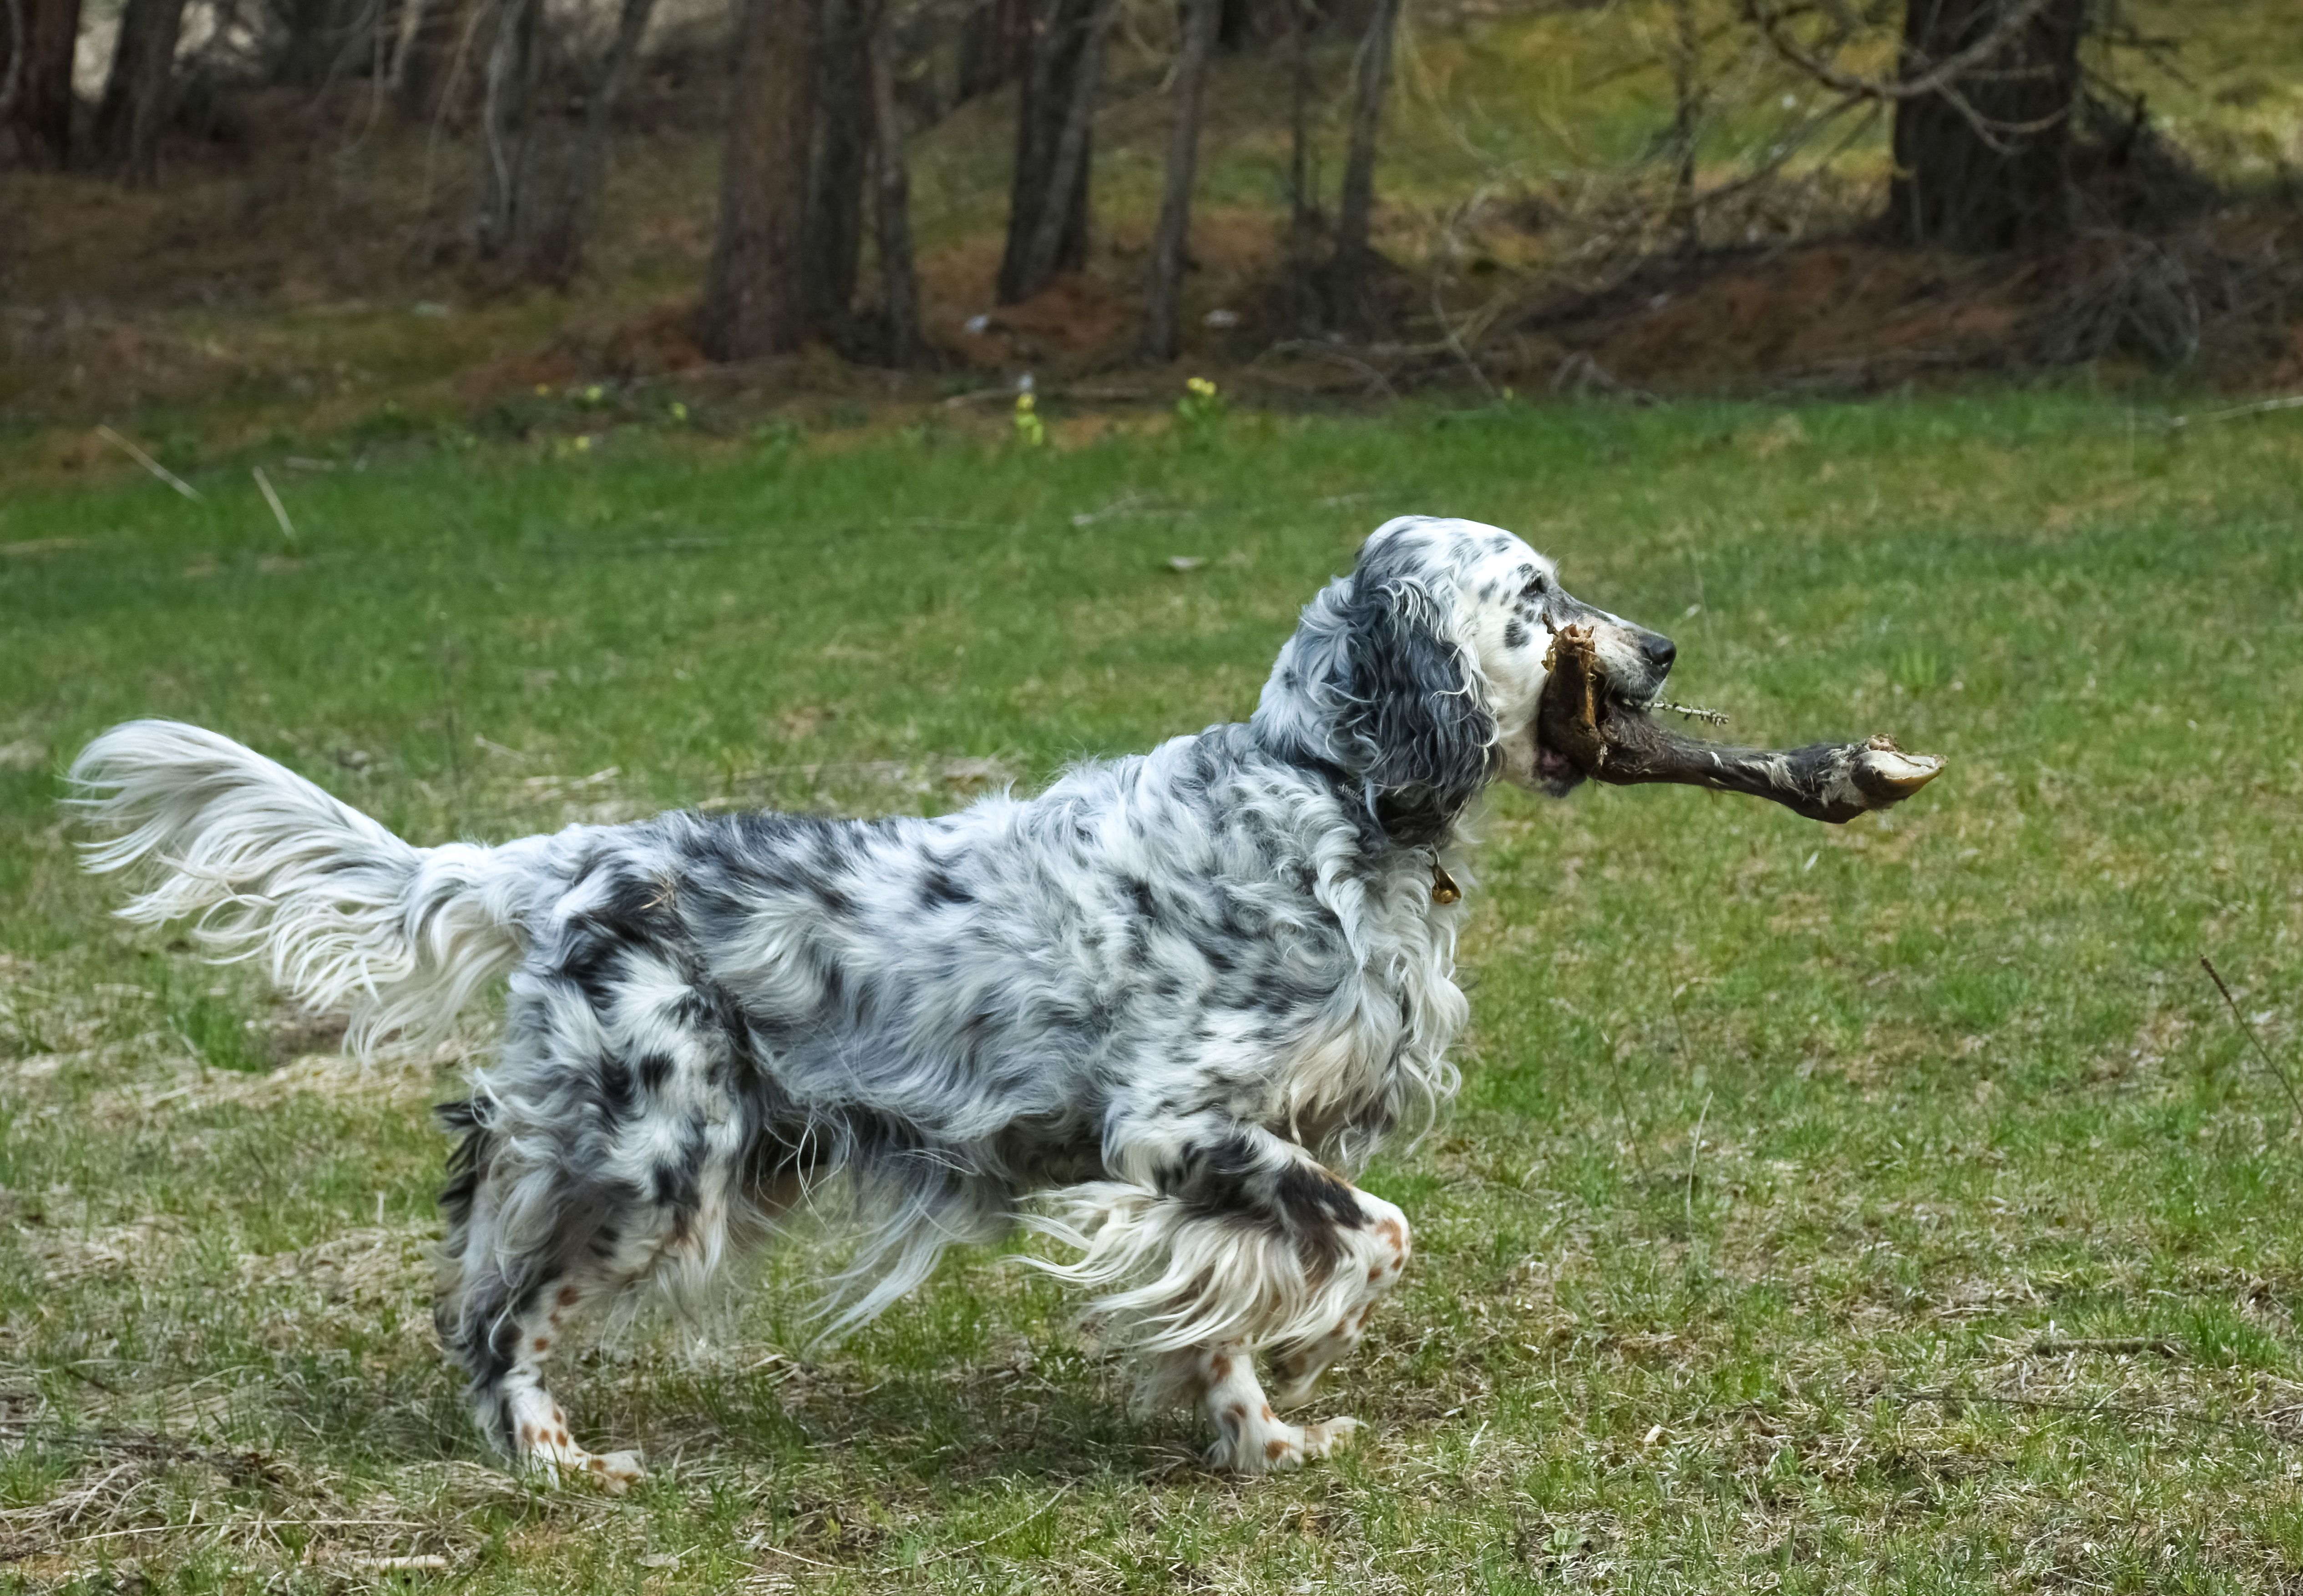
(1783, 1148)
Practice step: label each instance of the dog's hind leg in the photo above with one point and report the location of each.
(546, 1229)
(510, 1395)
(605, 1150)
(502, 1307)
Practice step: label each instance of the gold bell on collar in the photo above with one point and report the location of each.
(1444, 889)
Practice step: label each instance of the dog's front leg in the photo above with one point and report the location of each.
(1251, 1438)
(1222, 1241)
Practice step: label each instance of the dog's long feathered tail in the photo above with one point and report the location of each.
(346, 917)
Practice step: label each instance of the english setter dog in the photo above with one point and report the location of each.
(1160, 1012)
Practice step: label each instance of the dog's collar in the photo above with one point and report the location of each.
(1444, 890)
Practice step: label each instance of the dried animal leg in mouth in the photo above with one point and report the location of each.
(1607, 740)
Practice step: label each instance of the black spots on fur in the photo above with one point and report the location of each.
(740, 856)
(594, 965)
(742, 840)
(654, 1069)
(708, 1008)
(1312, 1200)
(938, 890)
(1233, 1181)
(462, 1115)
(695, 1009)
(467, 1165)
(1141, 905)
(1139, 892)
(618, 1092)
(866, 996)
(1214, 1179)
(634, 913)
(1514, 635)
(974, 1032)
(677, 1188)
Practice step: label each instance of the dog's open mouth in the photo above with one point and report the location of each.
(1584, 728)
(1554, 768)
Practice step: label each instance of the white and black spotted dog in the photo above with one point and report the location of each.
(1160, 1011)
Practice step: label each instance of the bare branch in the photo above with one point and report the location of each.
(1935, 80)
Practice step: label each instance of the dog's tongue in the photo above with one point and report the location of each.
(1581, 723)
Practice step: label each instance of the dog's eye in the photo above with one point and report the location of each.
(1542, 584)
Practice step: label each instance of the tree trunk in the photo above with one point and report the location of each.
(1048, 202)
(994, 43)
(138, 92)
(1303, 203)
(321, 34)
(752, 303)
(554, 251)
(1985, 163)
(1245, 22)
(899, 288)
(432, 45)
(1687, 113)
(507, 143)
(1162, 338)
(39, 90)
(832, 236)
(1304, 269)
(1354, 257)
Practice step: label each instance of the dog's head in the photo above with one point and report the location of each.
(1419, 674)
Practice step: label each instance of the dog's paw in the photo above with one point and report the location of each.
(615, 1473)
(1275, 1449)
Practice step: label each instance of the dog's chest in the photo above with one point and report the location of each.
(1380, 1041)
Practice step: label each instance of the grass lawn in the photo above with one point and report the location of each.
(1891, 1208)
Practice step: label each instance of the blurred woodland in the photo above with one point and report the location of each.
(329, 211)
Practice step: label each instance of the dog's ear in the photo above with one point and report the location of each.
(1413, 709)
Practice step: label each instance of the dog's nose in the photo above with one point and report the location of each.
(1659, 651)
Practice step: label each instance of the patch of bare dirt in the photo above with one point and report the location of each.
(2225, 301)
